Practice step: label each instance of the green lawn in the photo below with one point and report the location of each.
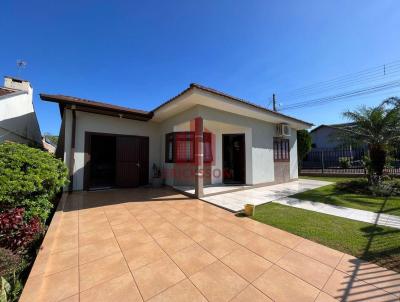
(330, 195)
(373, 243)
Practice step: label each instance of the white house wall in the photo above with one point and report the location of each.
(18, 119)
(168, 126)
(258, 139)
(89, 122)
(262, 149)
(259, 144)
(6, 135)
(219, 128)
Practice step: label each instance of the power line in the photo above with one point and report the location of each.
(384, 77)
(343, 95)
(359, 98)
(366, 73)
(393, 74)
(348, 94)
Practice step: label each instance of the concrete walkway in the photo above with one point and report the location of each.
(354, 214)
(235, 201)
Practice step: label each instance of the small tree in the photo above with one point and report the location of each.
(377, 127)
(303, 145)
(394, 144)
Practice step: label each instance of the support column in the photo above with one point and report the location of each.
(72, 150)
(198, 157)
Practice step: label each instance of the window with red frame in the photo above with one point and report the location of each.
(179, 147)
(281, 149)
(184, 147)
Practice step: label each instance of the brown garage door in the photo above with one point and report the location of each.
(115, 160)
(132, 161)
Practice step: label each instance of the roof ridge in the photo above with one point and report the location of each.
(229, 95)
(212, 90)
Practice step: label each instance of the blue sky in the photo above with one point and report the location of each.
(140, 53)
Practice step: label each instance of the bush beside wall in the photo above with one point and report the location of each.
(30, 180)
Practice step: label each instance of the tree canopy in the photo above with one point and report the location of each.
(378, 127)
(303, 143)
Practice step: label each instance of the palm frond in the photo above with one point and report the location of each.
(375, 125)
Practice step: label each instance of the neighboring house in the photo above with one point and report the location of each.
(48, 145)
(329, 136)
(18, 122)
(110, 146)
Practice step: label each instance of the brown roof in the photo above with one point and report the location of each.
(96, 107)
(216, 92)
(104, 108)
(4, 91)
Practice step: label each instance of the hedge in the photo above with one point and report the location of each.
(29, 178)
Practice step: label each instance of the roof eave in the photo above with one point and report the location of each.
(96, 108)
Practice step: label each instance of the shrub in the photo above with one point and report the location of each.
(386, 186)
(15, 233)
(9, 262)
(344, 162)
(357, 186)
(30, 179)
(394, 185)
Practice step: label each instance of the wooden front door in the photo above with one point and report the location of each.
(234, 159)
(132, 161)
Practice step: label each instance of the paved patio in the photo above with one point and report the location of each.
(156, 245)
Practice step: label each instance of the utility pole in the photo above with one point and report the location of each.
(273, 102)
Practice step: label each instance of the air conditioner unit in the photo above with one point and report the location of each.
(282, 130)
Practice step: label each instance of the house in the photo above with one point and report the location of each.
(198, 138)
(329, 136)
(48, 144)
(18, 121)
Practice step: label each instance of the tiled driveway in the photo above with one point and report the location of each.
(156, 245)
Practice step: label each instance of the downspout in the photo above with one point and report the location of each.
(72, 153)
